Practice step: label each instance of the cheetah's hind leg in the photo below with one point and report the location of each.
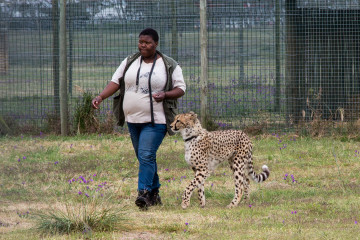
(246, 188)
(238, 167)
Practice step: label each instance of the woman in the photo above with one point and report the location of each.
(152, 83)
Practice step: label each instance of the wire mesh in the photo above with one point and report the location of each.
(278, 61)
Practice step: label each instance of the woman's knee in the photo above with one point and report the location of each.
(147, 156)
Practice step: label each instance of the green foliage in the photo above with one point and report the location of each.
(85, 120)
(4, 128)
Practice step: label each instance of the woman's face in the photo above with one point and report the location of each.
(147, 46)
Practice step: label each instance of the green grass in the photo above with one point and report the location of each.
(324, 192)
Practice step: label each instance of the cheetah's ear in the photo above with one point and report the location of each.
(193, 115)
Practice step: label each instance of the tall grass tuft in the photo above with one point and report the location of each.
(86, 219)
(85, 120)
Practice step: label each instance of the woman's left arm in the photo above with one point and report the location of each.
(172, 94)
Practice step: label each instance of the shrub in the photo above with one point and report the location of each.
(85, 120)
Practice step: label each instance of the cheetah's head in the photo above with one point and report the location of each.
(184, 120)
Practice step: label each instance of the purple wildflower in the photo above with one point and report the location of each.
(83, 179)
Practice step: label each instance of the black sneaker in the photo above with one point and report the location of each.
(155, 197)
(143, 200)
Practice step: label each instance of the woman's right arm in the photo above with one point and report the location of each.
(112, 87)
(109, 90)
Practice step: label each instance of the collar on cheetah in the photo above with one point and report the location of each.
(190, 138)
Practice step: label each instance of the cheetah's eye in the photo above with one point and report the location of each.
(179, 122)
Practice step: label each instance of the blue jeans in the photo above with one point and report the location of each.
(146, 140)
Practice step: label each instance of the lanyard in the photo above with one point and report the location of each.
(149, 82)
(138, 72)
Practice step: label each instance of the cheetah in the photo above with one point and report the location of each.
(204, 151)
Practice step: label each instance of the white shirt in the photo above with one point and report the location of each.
(136, 103)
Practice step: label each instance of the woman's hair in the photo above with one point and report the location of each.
(150, 32)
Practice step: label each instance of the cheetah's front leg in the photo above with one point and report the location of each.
(198, 181)
(201, 192)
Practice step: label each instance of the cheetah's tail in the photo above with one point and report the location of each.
(259, 177)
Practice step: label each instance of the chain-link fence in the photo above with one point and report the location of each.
(276, 62)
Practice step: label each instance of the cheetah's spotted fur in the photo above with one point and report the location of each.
(205, 150)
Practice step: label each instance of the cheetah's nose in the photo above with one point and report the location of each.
(173, 127)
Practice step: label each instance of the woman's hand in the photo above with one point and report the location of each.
(172, 94)
(96, 102)
(159, 97)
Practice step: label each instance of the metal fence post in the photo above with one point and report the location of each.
(204, 65)
(63, 71)
(174, 32)
(277, 57)
(55, 55)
